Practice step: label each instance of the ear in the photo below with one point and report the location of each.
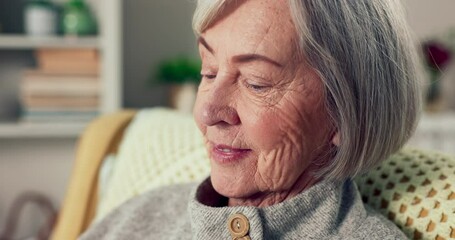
(336, 139)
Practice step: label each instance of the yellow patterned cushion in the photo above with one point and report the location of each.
(163, 147)
(416, 190)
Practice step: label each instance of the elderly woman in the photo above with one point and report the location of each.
(297, 97)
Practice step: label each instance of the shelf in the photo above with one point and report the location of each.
(41, 130)
(11, 41)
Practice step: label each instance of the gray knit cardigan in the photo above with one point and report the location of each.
(328, 210)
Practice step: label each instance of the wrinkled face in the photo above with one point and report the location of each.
(259, 106)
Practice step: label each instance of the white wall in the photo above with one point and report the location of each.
(154, 30)
(430, 17)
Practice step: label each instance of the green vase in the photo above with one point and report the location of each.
(434, 88)
(78, 19)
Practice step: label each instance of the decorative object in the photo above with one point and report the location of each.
(40, 201)
(437, 57)
(183, 96)
(78, 19)
(183, 75)
(40, 18)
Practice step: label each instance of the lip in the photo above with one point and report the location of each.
(226, 154)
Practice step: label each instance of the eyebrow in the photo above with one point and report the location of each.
(204, 43)
(256, 57)
(243, 58)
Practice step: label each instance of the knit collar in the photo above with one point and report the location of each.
(321, 211)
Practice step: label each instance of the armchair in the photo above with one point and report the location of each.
(139, 151)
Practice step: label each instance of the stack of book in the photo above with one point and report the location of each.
(64, 87)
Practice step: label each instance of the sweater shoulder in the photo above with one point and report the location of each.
(376, 226)
(145, 212)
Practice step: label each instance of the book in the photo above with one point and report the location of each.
(36, 83)
(59, 109)
(38, 74)
(58, 116)
(75, 54)
(70, 67)
(59, 102)
(68, 61)
(34, 119)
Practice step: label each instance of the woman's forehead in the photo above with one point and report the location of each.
(254, 26)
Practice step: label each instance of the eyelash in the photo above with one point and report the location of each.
(254, 87)
(208, 76)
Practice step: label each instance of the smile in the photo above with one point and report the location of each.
(224, 154)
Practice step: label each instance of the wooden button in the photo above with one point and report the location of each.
(238, 225)
(243, 238)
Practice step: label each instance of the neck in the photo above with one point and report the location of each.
(264, 199)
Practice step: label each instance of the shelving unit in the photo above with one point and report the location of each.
(17, 48)
(22, 42)
(42, 130)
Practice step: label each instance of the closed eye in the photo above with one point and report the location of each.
(256, 88)
(208, 76)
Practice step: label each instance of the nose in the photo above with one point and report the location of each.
(219, 115)
(216, 101)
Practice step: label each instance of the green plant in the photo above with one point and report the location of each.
(78, 19)
(178, 70)
(42, 3)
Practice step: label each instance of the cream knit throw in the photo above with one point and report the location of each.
(161, 147)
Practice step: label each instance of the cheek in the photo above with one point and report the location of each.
(286, 138)
(279, 153)
(198, 111)
(273, 128)
(271, 132)
(283, 132)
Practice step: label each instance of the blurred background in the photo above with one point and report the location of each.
(64, 62)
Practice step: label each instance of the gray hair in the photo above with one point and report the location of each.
(365, 56)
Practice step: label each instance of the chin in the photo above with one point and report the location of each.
(231, 186)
